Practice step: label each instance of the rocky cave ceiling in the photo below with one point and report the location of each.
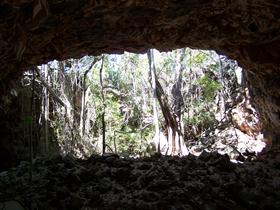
(33, 32)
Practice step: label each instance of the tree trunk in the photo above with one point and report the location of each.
(83, 108)
(46, 109)
(31, 128)
(152, 78)
(222, 92)
(102, 108)
(175, 146)
(178, 103)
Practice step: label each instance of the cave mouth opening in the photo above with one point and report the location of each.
(175, 103)
(56, 108)
(35, 32)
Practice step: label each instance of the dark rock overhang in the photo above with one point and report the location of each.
(37, 31)
(33, 32)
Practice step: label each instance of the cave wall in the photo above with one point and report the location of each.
(33, 32)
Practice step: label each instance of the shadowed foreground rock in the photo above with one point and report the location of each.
(208, 182)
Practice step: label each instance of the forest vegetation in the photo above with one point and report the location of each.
(173, 103)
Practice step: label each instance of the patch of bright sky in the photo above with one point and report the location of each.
(116, 59)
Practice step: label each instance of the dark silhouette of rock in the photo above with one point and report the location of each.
(162, 183)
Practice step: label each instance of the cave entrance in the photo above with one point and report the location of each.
(35, 32)
(175, 103)
(80, 107)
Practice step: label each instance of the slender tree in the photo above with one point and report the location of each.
(46, 109)
(103, 106)
(152, 77)
(31, 128)
(173, 133)
(84, 89)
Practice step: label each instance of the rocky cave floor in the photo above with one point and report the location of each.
(208, 182)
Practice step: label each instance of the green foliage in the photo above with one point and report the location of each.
(199, 59)
(202, 117)
(131, 141)
(28, 120)
(209, 88)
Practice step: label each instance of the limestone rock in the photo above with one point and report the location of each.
(188, 184)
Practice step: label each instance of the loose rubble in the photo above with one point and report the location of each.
(208, 182)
